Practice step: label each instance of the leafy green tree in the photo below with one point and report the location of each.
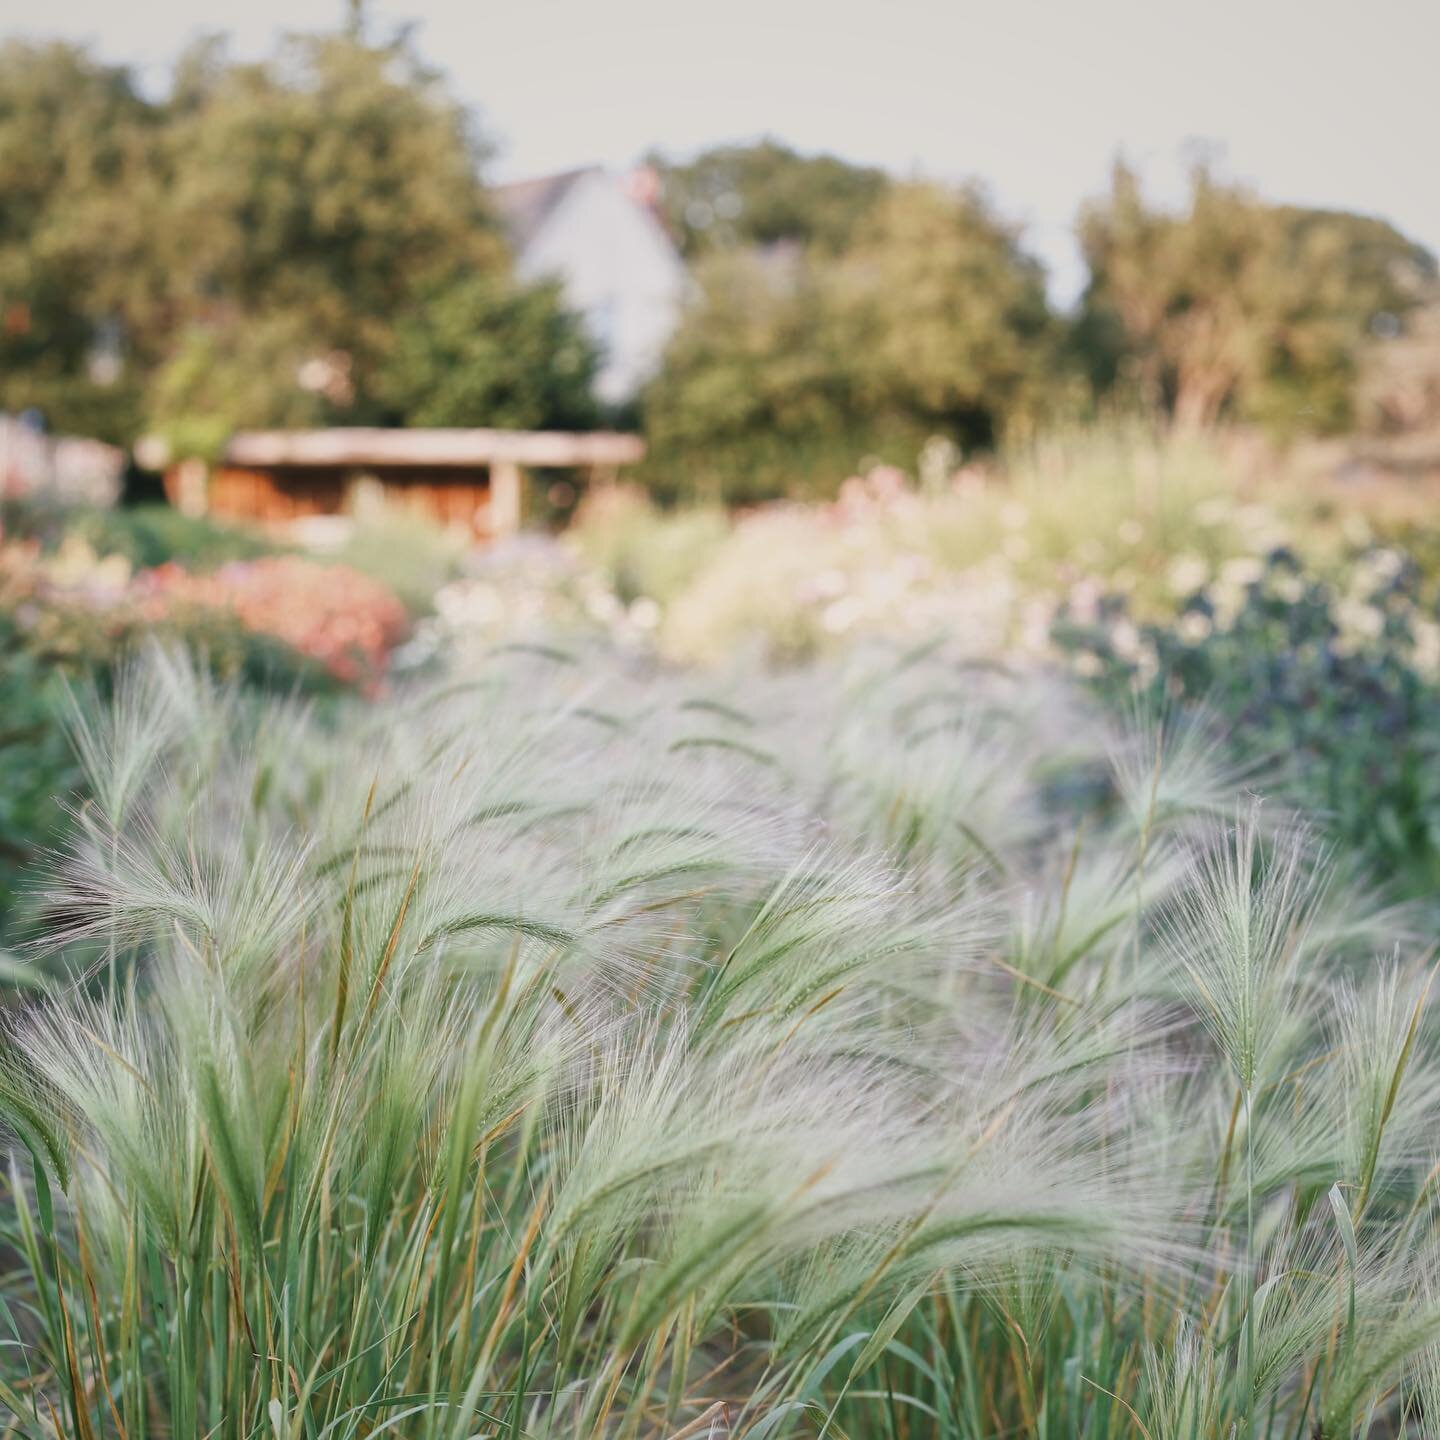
(81, 290)
(763, 194)
(1399, 387)
(754, 398)
(791, 368)
(1237, 307)
(319, 194)
(943, 316)
(481, 350)
(243, 372)
(268, 246)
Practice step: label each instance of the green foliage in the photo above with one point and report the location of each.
(224, 377)
(765, 194)
(643, 551)
(149, 535)
(37, 768)
(943, 314)
(1334, 683)
(1238, 307)
(791, 369)
(81, 173)
(317, 196)
(255, 250)
(146, 535)
(349, 174)
(753, 399)
(404, 550)
(482, 351)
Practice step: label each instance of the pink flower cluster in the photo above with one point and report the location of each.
(335, 615)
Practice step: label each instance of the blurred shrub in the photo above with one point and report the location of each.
(643, 551)
(404, 550)
(482, 350)
(144, 535)
(330, 614)
(983, 554)
(276, 619)
(37, 768)
(1120, 500)
(1333, 683)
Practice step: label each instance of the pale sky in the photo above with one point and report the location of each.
(1325, 102)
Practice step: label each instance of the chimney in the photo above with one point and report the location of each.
(642, 185)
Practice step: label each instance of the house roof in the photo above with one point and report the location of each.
(362, 446)
(525, 205)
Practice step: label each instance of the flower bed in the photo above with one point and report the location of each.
(331, 613)
(77, 604)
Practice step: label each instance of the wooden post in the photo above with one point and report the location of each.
(505, 498)
(192, 476)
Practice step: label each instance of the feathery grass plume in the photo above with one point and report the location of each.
(1238, 934)
(1185, 1388)
(1172, 770)
(157, 695)
(1388, 1080)
(492, 1060)
(940, 787)
(1421, 1401)
(1074, 919)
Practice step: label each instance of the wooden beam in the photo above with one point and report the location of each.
(361, 446)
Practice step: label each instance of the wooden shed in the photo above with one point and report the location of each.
(473, 478)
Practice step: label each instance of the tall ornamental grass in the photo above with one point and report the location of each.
(893, 1049)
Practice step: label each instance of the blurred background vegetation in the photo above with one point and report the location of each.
(169, 264)
(1107, 485)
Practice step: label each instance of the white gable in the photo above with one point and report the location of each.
(619, 271)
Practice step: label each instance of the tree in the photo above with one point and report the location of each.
(754, 397)
(331, 231)
(1399, 385)
(243, 373)
(267, 246)
(81, 291)
(791, 368)
(765, 194)
(322, 193)
(944, 314)
(480, 350)
(1237, 307)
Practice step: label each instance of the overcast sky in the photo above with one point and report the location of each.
(1327, 102)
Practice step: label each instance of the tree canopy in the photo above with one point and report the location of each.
(764, 194)
(329, 184)
(1238, 307)
(478, 350)
(307, 239)
(256, 248)
(793, 365)
(80, 166)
